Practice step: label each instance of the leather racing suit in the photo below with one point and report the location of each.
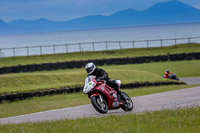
(103, 75)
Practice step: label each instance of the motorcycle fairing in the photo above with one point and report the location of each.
(110, 94)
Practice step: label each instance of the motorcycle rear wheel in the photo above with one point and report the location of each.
(128, 105)
(100, 107)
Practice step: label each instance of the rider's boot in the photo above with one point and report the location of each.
(121, 94)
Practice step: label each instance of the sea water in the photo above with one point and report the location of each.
(82, 40)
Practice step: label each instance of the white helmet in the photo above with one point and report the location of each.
(90, 67)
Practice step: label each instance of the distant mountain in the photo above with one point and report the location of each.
(161, 13)
(2, 22)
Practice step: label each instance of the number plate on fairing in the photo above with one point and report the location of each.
(88, 87)
(89, 84)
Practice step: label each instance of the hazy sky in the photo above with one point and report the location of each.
(60, 10)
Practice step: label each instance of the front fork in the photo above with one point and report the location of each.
(97, 94)
(101, 99)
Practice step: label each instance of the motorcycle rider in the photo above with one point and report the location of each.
(167, 74)
(102, 75)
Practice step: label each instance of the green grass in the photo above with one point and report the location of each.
(165, 121)
(185, 120)
(181, 68)
(35, 81)
(38, 104)
(151, 72)
(13, 61)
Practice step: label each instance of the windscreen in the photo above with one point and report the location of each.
(88, 79)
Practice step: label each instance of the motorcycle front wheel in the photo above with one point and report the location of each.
(128, 103)
(101, 107)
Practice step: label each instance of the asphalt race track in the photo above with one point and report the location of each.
(192, 80)
(184, 98)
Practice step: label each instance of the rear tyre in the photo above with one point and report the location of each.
(128, 103)
(101, 107)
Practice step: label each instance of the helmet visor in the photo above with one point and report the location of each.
(90, 69)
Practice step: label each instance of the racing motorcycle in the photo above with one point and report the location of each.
(104, 98)
(172, 76)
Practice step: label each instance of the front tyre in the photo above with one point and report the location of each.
(101, 107)
(128, 103)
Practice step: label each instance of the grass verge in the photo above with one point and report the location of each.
(11, 83)
(184, 48)
(170, 121)
(181, 68)
(38, 104)
(36, 81)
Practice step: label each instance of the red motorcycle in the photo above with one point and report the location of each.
(104, 98)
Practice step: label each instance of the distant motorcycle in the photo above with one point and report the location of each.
(172, 76)
(104, 98)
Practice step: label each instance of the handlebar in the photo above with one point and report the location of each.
(99, 80)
